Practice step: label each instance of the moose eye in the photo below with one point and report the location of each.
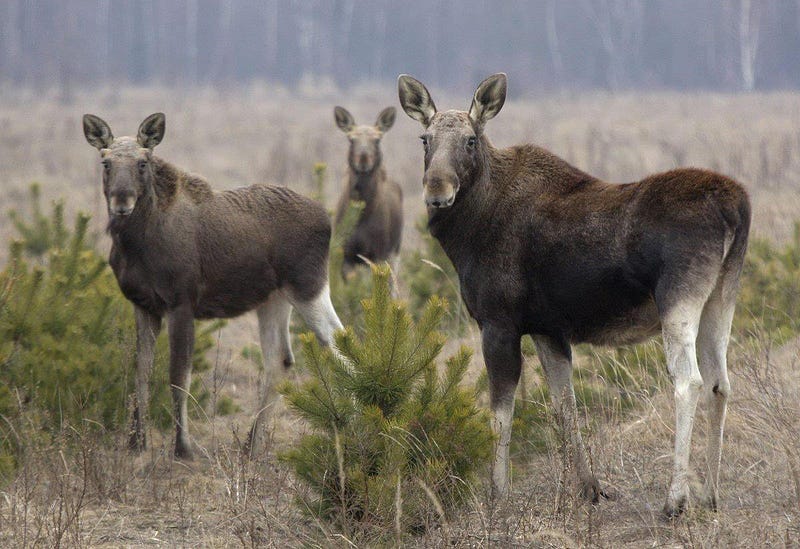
(142, 165)
(106, 164)
(471, 141)
(424, 139)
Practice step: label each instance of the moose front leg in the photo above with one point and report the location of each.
(181, 348)
(501, 351)
(557, 365)
(148, 326)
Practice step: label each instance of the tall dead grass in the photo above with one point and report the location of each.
(258, 134)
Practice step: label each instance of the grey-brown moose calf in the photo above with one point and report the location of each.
(183, 251)
(378, 232)
(542, 248)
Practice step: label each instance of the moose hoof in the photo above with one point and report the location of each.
(710, 502)
(255, 442)
(675, 507)
(137, 443)
(590, 490)
(183, 452)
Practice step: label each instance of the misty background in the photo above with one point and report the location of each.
(547, 45)
(619, 88)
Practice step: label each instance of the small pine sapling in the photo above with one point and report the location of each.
(66, 337)
(392, 439)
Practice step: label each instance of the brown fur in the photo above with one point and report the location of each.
(232, 247)
(378, 233)
(184, 251)
(543, 248)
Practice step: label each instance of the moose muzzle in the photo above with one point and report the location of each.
(121, 204)
(440, 190)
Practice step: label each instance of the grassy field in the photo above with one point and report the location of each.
(103, 496)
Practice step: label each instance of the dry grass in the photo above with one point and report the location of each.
(87, 492)
(241, 136)
(82, 492)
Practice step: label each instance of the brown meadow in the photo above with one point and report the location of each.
(104, 496)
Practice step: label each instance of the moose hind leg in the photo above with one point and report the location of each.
(679, 330)
(557, 364)
(273, 327)
(148, 326)
(181, 349)
(712, 346)
(501, 351)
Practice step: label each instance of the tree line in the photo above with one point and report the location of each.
(547, 45)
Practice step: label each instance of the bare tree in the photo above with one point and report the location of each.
(192, 70)
(749, 19)
(552, 41)
(218, 70)
(584, 43)
(379, 46)
(619, 26)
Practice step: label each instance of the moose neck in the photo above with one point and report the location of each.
(130, 233)
(467, 223)
(364, 185)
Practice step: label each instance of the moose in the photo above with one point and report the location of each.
(544, 249)
(183, 251)
(378, 232)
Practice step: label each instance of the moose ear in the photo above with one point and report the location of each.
(151, 131)
(385, 119)
(488, 99)
(97, 132)
(415, 99)
(344, 119)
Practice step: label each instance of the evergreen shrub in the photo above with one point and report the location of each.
(393, 441)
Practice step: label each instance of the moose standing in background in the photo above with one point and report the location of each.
(183, 251)
(542, 248)
(378, 232)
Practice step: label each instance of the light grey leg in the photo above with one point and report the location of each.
(679, 329)
(501, 351)
(273, 326)
(148, 326)
(181, 348)
(712, 347)
(557, 364)
(320, 315)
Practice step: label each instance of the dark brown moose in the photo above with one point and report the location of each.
(542, 248)
(378, 232)
(183, 251)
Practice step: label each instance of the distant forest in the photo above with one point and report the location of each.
(545, 45)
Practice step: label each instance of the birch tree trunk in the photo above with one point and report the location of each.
(749, 18)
